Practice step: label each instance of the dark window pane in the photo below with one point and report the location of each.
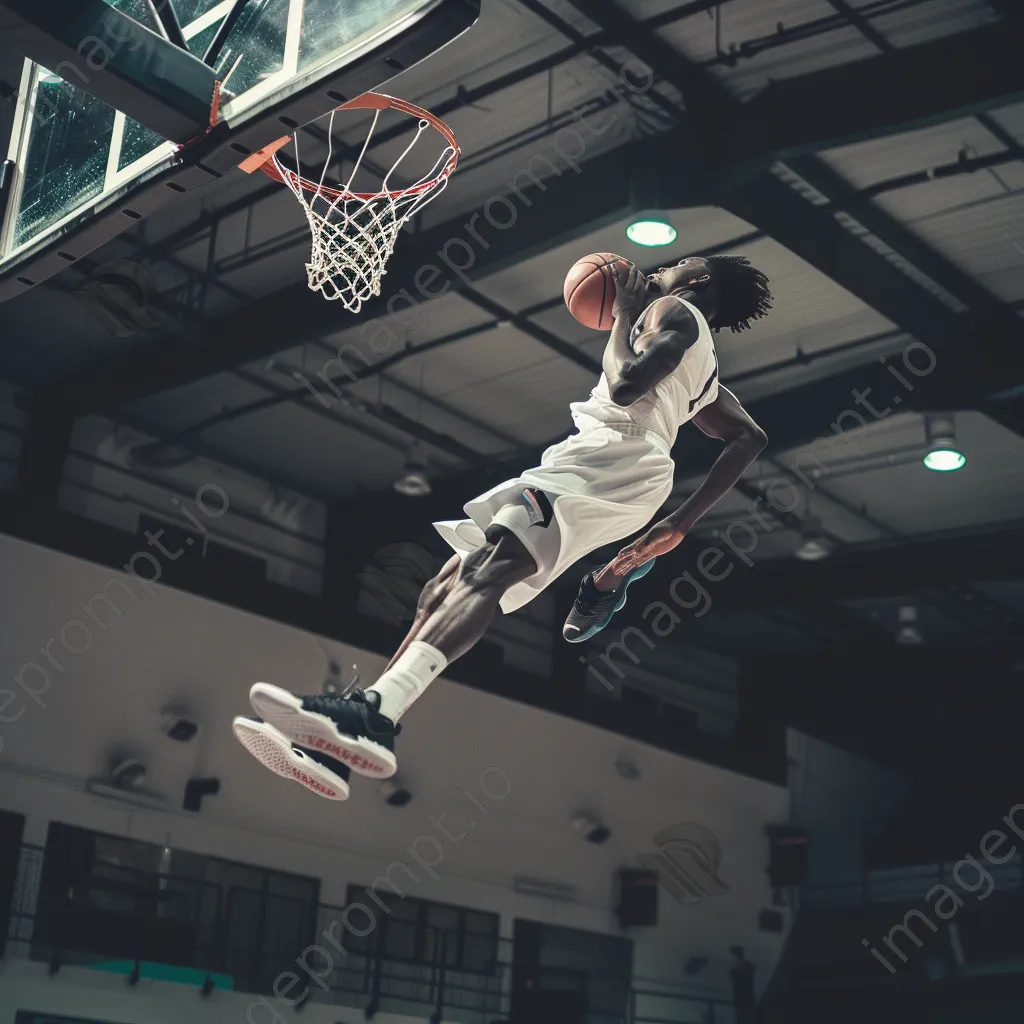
(415, 931)
(188, 10)
(67, 155)
(255, 45)
(400, 939)
(443, 935)
(479, 951)
(137, 9)
(199, 43)
(137, 142)
(329, 25)
(121, 899)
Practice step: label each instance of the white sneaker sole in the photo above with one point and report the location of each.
(283, 710)
(272, 749)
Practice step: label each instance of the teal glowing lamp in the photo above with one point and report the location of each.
(651, 232)
(943, 455)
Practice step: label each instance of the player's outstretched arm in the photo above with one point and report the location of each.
(630, 374)
(725, 419)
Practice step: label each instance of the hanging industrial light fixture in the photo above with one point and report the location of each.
(814, 544)
(908, 635)
(943, 455)
(414, 482)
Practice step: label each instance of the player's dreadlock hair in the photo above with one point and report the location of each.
(743, 293)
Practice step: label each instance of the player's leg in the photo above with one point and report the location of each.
(482, 578)
(317, 771)
(433, 593)
(359, 729)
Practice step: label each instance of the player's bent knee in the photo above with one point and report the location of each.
(498, 563)
(471, 572)
(511, 559)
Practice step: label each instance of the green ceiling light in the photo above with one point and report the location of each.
(945, 460)
(651, 232)
(943, 455)
(814, 542)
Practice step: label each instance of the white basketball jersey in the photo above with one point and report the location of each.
(691, 386)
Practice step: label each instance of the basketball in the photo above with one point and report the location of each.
(589, 289)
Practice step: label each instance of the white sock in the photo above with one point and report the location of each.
(403, 684)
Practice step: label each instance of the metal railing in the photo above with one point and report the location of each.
(901, 884)
(649, 1006)
(383, 973)
(251, 938)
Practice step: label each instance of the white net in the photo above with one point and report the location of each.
(354, 233)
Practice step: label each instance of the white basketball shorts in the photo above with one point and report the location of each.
(597, 487)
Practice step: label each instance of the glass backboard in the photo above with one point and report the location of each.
(74, 155)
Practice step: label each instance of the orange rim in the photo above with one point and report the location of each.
(264, 159)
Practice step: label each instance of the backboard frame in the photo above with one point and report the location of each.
(246, 125)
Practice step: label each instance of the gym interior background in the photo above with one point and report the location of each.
(802, 791)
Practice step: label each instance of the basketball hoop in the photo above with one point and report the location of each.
(354, 233)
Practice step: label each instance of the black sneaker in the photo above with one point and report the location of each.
(593, 610)
(319, 773)
(350, 729)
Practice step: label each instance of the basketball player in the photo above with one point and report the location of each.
(599, 485)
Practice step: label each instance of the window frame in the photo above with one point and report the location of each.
(376, 939)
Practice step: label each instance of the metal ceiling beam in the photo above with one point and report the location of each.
(974, 352)
(867, 571)
(845, 198)
(595, 47)
(890, 92)
(827, 618)
(702, 94)
(1004, 410)
(999, 333)
(380, 412)
(573, 353)
(862, 24)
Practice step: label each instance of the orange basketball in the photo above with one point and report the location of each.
(589, 289)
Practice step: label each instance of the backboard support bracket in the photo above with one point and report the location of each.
(165, 16)
(98, 48)
(216, 46)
